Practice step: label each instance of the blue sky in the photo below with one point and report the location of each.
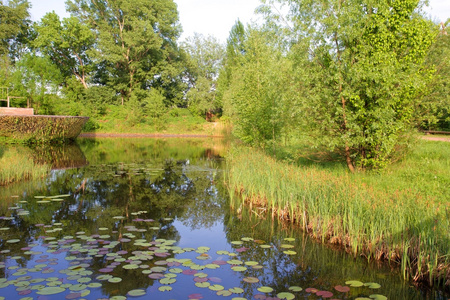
(216, 17)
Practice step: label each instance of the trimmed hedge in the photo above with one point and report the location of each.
(31, 129)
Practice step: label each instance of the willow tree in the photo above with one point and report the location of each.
(363, 72)
(136, 41)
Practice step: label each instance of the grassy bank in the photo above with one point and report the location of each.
(175, 121)
(401, 215)
(16, 164)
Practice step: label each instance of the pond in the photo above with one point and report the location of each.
(152, 219)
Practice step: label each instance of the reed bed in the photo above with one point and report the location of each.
(401, 226)
(17, 165)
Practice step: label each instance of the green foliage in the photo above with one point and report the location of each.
(14, 20)
(40, 129)
(256, 95)
(204, 59)
(16, 164)
(433, 110)
(362, 72)
(136, 42)
(37, 80)
(388, 214)
(67, 44)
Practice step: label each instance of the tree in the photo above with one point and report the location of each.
(204, 60)
(259, 78)
(67, 44)
(234, 49)
(363, 72)
(433, 111)
(136, 40)
(37, 79)
(14, 21)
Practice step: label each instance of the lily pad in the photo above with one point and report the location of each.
(342, 289)
(378, 297)
(286, 295)
(354, 283)
(136, 293)
(372, 285)
(251, 279)
(295, 288)
(51, 290)
(165, 288)
(236, 290)
(216, 287)
(265, 289)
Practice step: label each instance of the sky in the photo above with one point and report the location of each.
(216, 17)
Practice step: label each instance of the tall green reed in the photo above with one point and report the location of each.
(410, 229)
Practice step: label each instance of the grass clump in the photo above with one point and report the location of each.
(401, 214)
(16, 164)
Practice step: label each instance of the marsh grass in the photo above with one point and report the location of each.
(401, 214)
(16, 164)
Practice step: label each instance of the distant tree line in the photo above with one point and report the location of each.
(356, 77)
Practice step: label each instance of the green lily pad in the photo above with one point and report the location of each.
(372, 285)
(115, 280)
(165, 288)
(167, 280)
(202, 284)
(265, 289)
(286, 295)
(354, 283)
(136, 293)
(289, 252)
(224, 293)
(118, 298)
(378, 297)
(216, 287)
(13, 241)
(236, 290)
(295, 288)
(51, 290)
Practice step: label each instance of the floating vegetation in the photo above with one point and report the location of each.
(73, 265)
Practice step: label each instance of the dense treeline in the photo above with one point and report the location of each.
(358, 78)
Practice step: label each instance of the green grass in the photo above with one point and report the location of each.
(16, 164)
(175, 121)
(401, 214)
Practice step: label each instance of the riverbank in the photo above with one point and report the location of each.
(400, 215)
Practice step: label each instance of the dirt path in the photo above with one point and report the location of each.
(436, 138)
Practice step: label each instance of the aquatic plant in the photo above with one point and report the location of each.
(16, 164)
(406, 228)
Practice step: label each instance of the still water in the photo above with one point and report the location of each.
(151, 219)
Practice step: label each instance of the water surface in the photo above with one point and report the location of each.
(151, 219)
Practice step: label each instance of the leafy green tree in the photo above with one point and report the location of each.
(257, 90)
(433, 111)
(67, 44)
(234, 49)
(136, 41)
(36, 79)
(363, 72)
(205, 56)
(14, 22)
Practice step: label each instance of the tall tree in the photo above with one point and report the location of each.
(433, 111)
(136, 40)
(259, 78)
(14, 22)
(204, 60)
(67, 44)
(363, 69)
